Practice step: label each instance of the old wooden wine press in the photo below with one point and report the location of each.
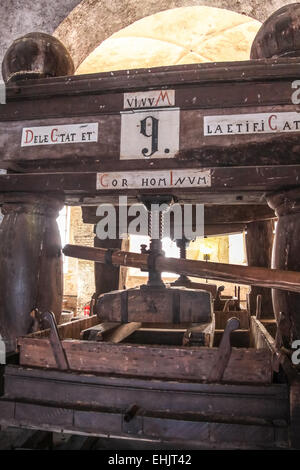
(160, 364)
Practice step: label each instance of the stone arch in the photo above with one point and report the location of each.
(92, 21)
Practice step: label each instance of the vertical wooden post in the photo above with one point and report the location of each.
(31, 263)
(286, 255)
(109, 278)
(259, 242)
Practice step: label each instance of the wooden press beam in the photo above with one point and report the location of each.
(200, 90)
(214, 216)
(249, 275)
(224, 181)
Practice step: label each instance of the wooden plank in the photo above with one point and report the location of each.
(98, 332)
(200, 335)
(236, 435)
(285, 69)
(239, 197)
(122, 332)
(245, 365)
(260, 338)
(213, 215)
(32, 384)
(27, 413)
(224, 352)
(223, 180)
(255, 433)
(238, 88)
(69, 330)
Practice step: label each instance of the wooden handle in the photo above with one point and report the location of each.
(249, 275)
(224, 351)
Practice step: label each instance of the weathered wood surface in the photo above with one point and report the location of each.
(240, 401)
(157, 305)
(158, 77)
(181, 431)
(218, 220)
(212, 288)
(99, 331)
(259, 244)
(201, 90)
(69, 330)
(31, 263)
(109, 278)
(274, 278)
(286, 256)
(122, 332)
(224, 351)
(234, 185)
(260, 338)
(245, 365)
(213, 215)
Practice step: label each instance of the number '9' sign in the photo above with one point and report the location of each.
(149, 133)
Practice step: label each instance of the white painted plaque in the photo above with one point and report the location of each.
(257, 123)
(149, 99)
(62, 134)
(154, 179)
(149, 133)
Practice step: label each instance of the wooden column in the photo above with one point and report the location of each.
(259, 242)
(286, 256)
(107, 278)
(31, 263)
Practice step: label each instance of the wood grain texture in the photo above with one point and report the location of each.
(245, 365)
(274, 278)
(267, 402)
(259, 244)
(201, 90)
(196, 432)
(156, 305)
